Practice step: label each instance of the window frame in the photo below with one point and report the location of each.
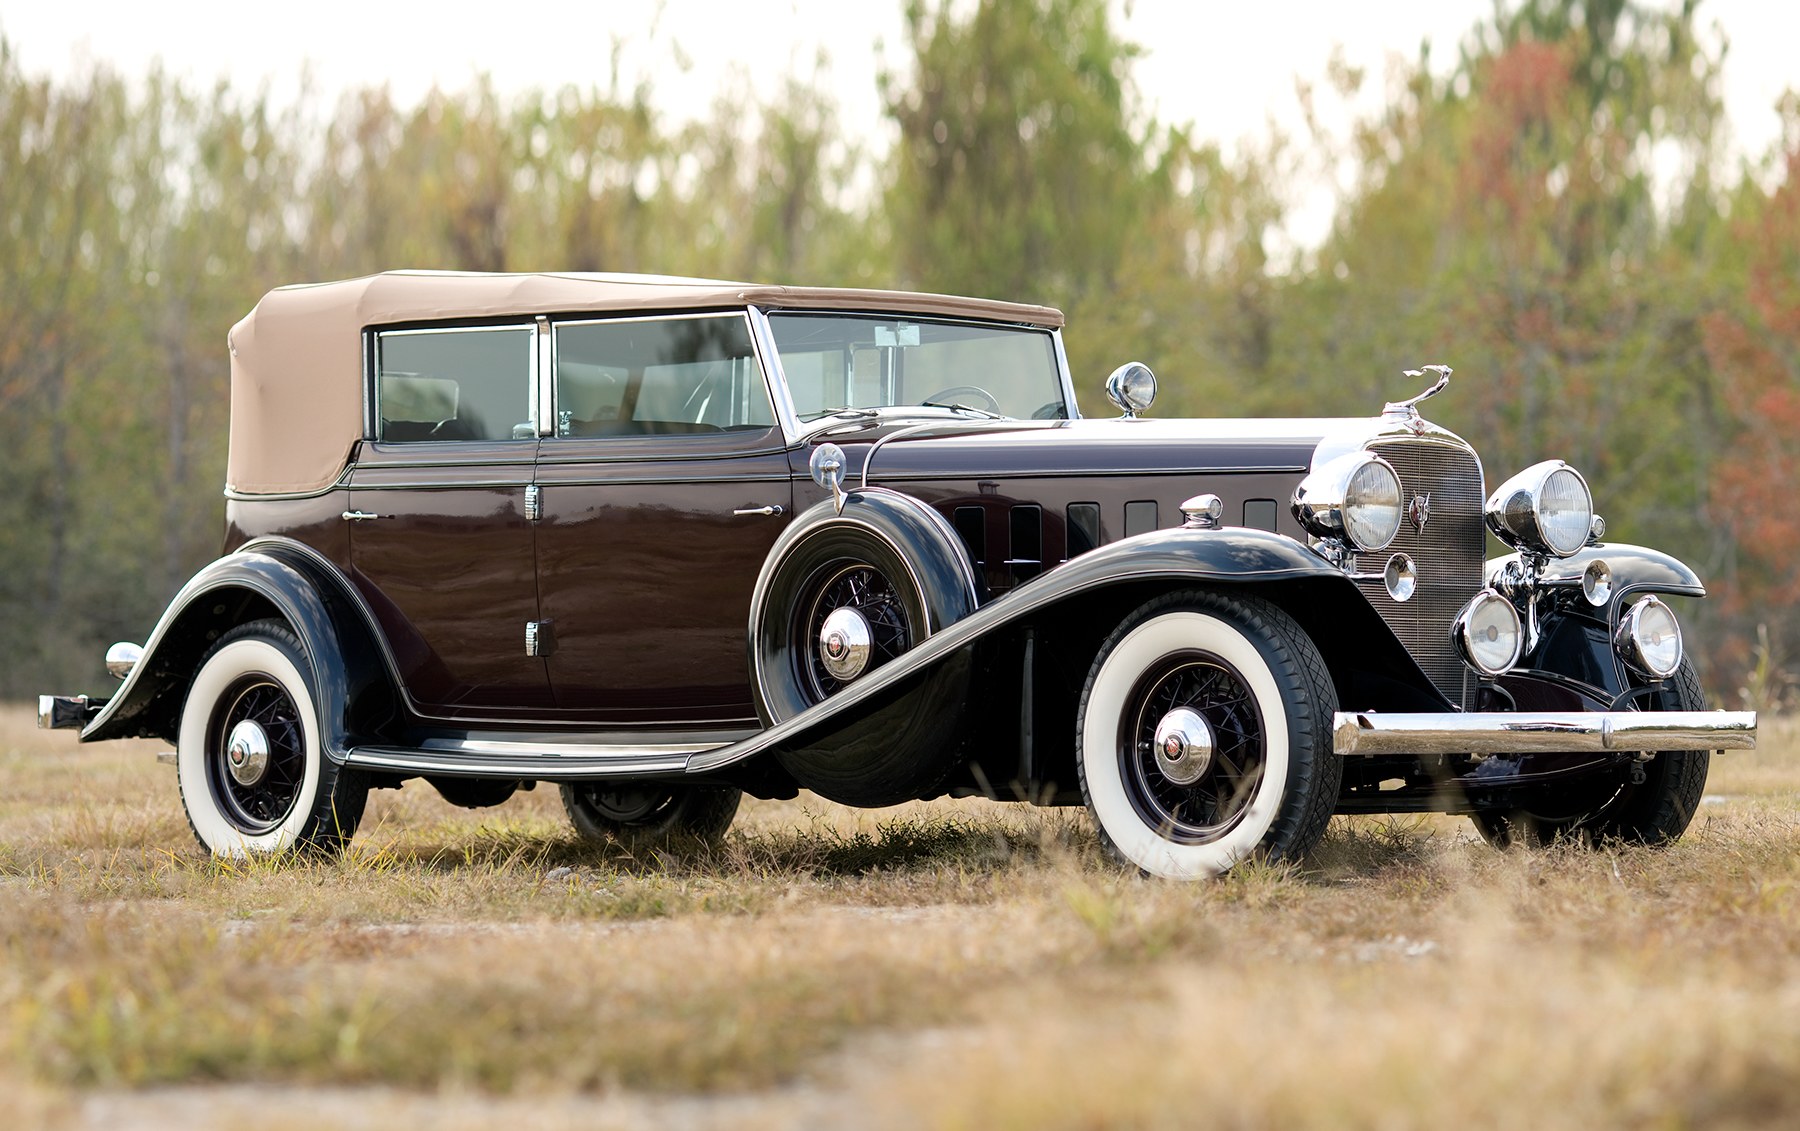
(551, 354)
(374, 336)
(798, 430)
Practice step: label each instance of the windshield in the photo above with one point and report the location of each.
(835, 362)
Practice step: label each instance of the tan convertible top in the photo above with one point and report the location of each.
(297, 359)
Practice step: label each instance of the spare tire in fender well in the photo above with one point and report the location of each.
(909, 545)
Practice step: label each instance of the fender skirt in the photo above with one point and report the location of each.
(865, 711)
(269, 577)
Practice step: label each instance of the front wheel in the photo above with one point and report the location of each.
(1205, 736)
(1654, 811)
(651, 813)
(253, 776)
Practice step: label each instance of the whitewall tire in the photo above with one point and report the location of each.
(253, 777)
(1204, 736)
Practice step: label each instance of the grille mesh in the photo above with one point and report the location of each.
(1449, 553)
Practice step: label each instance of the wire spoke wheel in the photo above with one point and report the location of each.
(256, 753)
(1204, 809)
(859, 588)
(1204, 736)
(249, 756)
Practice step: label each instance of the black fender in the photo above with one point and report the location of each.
(1117, 576)
(1635, 569)
(351, 677)
(1574, 646)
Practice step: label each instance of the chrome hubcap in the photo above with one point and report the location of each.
(845, 643)
(1184, 746)
(247, 752)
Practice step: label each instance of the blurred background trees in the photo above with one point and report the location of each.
(1552, 214)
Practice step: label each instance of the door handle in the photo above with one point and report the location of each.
(773, 510)
(359, 516)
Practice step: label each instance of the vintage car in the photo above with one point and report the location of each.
(664, 541)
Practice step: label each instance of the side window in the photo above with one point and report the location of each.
(472, 384)
(650, 377)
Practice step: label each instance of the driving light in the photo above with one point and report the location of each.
(1487, 633)
(1132, 387)
(1650, 638)
(1546, 509)
(1355, 496)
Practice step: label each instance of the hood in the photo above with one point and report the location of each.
(1033, 448)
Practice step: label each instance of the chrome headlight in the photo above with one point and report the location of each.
(1546, 508)
(1650, 638)
(1356, 497)
(1488, 633)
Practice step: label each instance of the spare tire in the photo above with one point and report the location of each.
(840, 596)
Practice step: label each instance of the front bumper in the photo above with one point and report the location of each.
(1541, 732)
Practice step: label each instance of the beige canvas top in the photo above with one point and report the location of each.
(297, 368)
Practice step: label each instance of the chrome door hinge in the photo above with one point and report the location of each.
(540, 639)
(534, 503)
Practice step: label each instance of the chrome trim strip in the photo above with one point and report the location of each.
(393, 758)
(664, 456)
(1112, 473)
(516, 748)
(1070, 404)
(1541, 732)
(543, 377)
(762, 337)
(619, 481)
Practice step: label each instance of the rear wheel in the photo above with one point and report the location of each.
(1654, 811)
(1205, 736)
(253, 776)
(651, 813)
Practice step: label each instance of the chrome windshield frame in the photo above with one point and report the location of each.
(795, 430)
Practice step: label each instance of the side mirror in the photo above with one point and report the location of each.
(1132, 387)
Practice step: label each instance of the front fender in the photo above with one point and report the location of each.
(1575, 645)
(1635, 569)
(1161, 559)
(268, 578)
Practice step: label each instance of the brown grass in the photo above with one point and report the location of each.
(958, 964)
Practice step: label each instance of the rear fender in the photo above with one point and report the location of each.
(270, 578)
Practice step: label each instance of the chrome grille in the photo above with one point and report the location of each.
(1449, 552)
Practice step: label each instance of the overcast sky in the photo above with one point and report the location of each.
(1226, 66)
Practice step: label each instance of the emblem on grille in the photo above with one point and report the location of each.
(1419, 512)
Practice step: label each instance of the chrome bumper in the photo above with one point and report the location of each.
(1542, 732)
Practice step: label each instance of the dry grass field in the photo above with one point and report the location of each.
(958, 964)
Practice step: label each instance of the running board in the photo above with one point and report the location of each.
(491, 758)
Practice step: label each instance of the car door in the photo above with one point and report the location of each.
(440, 545)
(663, 488)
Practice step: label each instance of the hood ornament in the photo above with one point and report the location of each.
(1408, 410)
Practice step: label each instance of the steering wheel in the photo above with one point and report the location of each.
(943, 396)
